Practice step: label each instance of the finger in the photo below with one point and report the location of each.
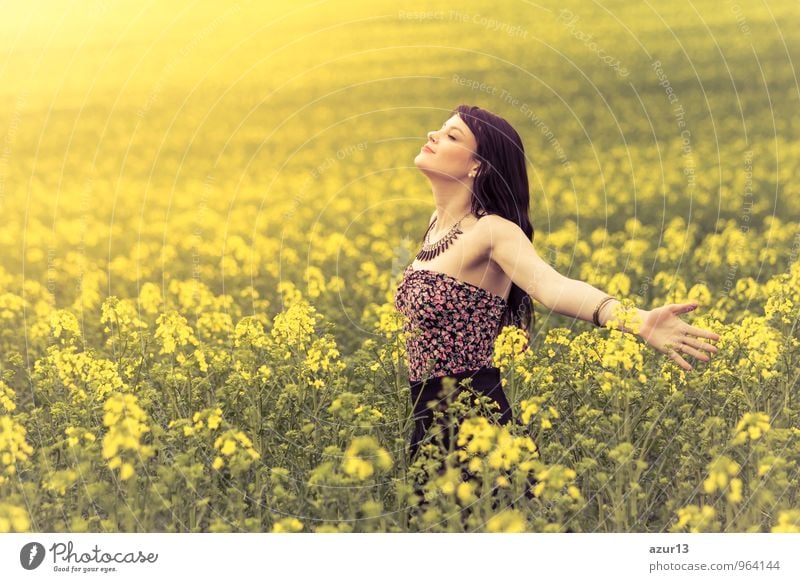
(695, 343)
(679, 308)
(680, 361)
(671, 349)
(706, 333)
(685, 348)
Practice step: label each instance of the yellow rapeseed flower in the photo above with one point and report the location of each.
(552, 480)
(323, 355)
(150, 298)
(287, 525)
(228, 448)
(507, 521)
(174, 331)
(7, 396)
(788, 521)
(530, 407)
(13, 519)
(121, 317)
(62, 320)
(735, 491)
(250, 332)
(61, 480)
(215, 418)
(86, 376)
(13, 446)
(294, 327)
(697, 519)
(127, 424)
(465, 492)
(126, 471)
(510, 346)
(752, 425)
(506, 451)
(719, 472)
(763, 346)
(477, 434)
(362, 456)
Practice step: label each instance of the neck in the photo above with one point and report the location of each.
(453, 200)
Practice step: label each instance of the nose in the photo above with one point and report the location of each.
(430, 136)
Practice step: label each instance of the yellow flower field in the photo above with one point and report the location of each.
(206, 212)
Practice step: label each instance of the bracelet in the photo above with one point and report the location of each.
(597, 309)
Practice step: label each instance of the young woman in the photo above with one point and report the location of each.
(478, 270)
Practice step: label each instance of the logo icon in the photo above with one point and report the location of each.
(31, 555)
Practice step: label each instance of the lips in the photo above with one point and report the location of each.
(427, 149)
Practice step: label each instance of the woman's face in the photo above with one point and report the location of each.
(449, 151)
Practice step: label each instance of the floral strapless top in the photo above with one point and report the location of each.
(452, 324)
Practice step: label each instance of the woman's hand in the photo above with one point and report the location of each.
(667, 333)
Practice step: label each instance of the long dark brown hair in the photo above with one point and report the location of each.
(501, 187)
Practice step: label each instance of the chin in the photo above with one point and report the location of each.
(431, 172)
(421, 165)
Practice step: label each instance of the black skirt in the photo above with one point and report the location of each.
(484, 381)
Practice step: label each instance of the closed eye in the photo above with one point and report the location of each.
(448, 135)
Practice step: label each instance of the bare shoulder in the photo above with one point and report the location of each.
(513, 252)
(496, 221)
(495, 227)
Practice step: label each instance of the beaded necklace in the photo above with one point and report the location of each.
(430, 250)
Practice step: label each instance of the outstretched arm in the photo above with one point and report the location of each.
(660, 328)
